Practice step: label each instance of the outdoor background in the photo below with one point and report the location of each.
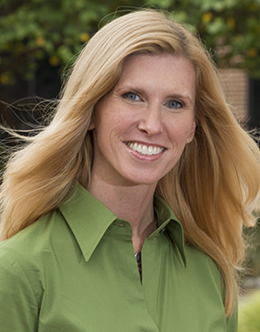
(40, 40)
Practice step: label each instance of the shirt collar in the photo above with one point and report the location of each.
(89, 219)
(167, 220)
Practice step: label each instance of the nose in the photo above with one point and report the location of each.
(150, 122)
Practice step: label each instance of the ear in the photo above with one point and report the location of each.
(192, 133)
(92, 122)
(91, 125)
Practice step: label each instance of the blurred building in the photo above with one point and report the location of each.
(236, 86)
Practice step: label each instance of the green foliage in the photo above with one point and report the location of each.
(249, 317)
(32, 30)
(36, 29)
(230, 28)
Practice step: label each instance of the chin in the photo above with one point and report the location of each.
(143, 180)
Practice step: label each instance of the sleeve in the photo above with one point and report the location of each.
(232, 320)
(18, 307)
(232, 323)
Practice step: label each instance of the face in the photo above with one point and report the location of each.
(142, 125)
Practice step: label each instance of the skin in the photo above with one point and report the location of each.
(152, 105)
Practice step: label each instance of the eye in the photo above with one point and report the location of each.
(174, 104)
(131, 96)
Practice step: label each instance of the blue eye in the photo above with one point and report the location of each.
(174, 104)
(132, 96)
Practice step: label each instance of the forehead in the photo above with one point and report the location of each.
(164, 71)
(160, 60)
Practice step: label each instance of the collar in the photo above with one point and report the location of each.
(89, 219)
(169, 222)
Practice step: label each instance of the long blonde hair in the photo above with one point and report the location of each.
(211, 189)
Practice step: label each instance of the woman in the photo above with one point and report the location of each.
(142, 130)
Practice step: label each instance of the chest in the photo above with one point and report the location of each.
(105, 293)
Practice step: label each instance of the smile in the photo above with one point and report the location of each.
(146, 150)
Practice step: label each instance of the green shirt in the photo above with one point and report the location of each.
(75, 270)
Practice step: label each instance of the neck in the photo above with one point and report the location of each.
(132, 203)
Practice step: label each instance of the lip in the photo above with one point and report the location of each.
(151, 151)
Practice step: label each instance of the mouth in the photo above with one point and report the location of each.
(146, 150)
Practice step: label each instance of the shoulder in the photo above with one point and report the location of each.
(200, 259)
(207, 278)
(35, 238)
(24, 256)
(203, 268)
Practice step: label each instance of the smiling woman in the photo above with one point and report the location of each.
(140, 127)
(125, 213)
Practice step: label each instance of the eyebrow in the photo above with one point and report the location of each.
(179, 96)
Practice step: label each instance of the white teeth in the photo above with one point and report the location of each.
(144, 149)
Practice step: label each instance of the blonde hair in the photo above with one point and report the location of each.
(211, 189)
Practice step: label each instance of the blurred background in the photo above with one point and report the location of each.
(40, 40)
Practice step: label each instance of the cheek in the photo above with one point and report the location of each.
(181, 132)
(108, 131)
